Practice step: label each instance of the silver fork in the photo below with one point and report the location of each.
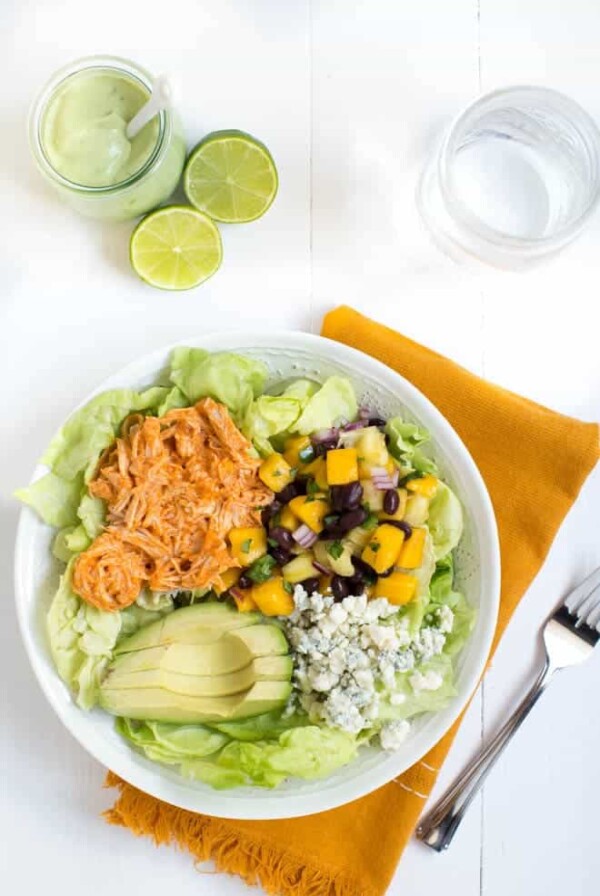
(570, 634)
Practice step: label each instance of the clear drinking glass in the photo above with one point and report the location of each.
(145, 188)
(515, 178)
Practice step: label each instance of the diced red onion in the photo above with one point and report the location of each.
(379, 472)
(382, 479)
(304, 536)
(320, 567)
(364, 413)
(349, 427)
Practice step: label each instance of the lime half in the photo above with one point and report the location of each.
(231, 176)
(175, 248)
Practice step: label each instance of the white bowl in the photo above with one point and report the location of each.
(477, 568)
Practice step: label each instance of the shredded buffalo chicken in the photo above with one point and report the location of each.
(174, 486)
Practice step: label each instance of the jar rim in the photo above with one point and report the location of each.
(463, 215)
(87, 63)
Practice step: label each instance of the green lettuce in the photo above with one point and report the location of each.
(417, 702)
(94, 427)
(206, 754)
(231, 379)
(82, 638)
(55, 499)
(404, 442)
(333, 402)
(442, 593)
(445, 521)
(269, 416)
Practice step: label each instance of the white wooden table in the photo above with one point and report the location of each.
(349, 95)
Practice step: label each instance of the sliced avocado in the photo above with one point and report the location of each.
(198, 624)
(270, 668)
(156, 704)
(262, 640)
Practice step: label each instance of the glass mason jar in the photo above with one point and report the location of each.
(515, 178)
(142, 189)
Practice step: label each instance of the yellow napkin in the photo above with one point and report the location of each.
(534, 462)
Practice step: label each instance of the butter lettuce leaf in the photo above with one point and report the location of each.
(232, 379)
(445, 521)
(404, 443)
(54, 499)
(333, 402)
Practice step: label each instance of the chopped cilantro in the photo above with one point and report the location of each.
(245, 546)
(311, 487)
(335, 549)
(261, 569)
(414, 475)
(272, 542)
(288, 587)
(306, 454)
(374, 546)
(371, 522)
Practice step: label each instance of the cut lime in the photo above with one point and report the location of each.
(231, 176)
(175, 248)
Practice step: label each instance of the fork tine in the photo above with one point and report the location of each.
(579, 595)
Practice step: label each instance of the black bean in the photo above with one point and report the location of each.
(345, 497)
(400, 524)
(310, 585)
(321, 448)
(391, 501)
(292, 490)
(356, 584)
(377, 421)
(367, 572)
(269, 512)
(283, 537)
(280, 555)
(244, 581)
(352, 519)
(386, 573)
(339, 587)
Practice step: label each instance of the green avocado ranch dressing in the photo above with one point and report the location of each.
(79, 140)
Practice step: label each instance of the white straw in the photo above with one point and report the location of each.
(160, 99)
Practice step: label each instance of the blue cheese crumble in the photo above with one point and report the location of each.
(347, 655)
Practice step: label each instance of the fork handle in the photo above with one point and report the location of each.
(438, 827)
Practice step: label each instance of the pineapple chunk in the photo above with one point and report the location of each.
(275, 472)
(383, 548)
(312, 510)
(372, 496)
(299, 569)
(417, 510)
(371, 451)
(272, 599)
(342, 466)
(247, 544)
(399, 588)
(340, 565)
(411, 555)
(357, 539)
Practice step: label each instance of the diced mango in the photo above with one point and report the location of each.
(425, 485)
(383, 548)
(293, 448)
(244, 600)
(399, 514)
(399, 588)
(417, 510)
(311, 509)
(272, 599)
(247, 544)
(288, 519)
(299, 569)
(342, 466)
(411, 555)
(228, 579)
(318, 470)
(275, 472)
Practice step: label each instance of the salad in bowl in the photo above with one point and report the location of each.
(256, 573)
